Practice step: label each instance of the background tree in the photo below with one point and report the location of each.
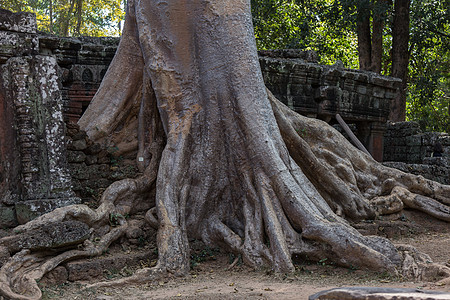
(400, 57)
(370, 20)
(331, 28)
(428, 98)
(73, 17)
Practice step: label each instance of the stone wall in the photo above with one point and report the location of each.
(83, 62)
(410, 150)
(436, 169)
(10, 183)
(405, 142)
(359, 97)
(295, 77)
(322, 91)
(32, 106)
(94, 168)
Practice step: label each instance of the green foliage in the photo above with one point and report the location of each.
(429, 85)
(62, 17)
(325, 26)
(280, 24)
(320, 25)
(329, 27)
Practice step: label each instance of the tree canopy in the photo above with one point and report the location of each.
(73, 17)
(330, 28)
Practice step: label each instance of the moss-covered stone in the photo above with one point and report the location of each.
(31, 209)
(7, 216)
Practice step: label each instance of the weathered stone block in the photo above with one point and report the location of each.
(445, 140)
(48, 236)
(390, 95)
(34, 82)
(96, 48)
(17, 44)
(91, 159)
(438, 161)
(361, 77)
(94, 149)
(361, 89)
(78, 145)
(18, 22)
(7, 216)
(378, 293)
(386, 81)
(378, 92)
(9, 152)
(430, 138)
(79, 171)
(70, 44)
(413, 140)
(30, 209)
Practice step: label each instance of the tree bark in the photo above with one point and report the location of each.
(378, 16)
(79, 16)
(66, 22)
(364, 35)
(233, 170)
(400, 57)
(369, 28)
(51, 16)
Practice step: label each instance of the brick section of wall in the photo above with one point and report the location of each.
(83, 62)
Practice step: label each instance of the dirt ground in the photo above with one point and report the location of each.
(210, 279)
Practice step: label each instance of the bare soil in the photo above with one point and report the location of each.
(210, 279)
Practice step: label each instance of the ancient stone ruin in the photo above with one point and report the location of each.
(319, 91)
(35, 174)
(47, 83)
(409, 149)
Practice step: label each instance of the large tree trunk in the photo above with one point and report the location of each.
(378, 17)
(79, 16)
(364, 35)
(370, 34)
(67, 18)
(400, 57)
(229, 166)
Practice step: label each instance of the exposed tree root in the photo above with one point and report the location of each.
(419, 266)
(354, 184)
(142, 276)
(19, 275)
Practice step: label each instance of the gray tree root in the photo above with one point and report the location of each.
(19, 275)
(359, 183)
